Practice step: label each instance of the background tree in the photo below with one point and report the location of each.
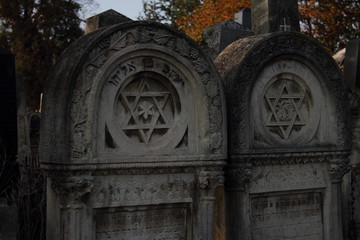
(37, 31)
(209, 13)
(333, 23)
(167, 11)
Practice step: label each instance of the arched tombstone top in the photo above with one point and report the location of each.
(284, 93)
(133, 93)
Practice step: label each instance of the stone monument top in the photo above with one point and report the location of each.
(274, 15)
(104, 19)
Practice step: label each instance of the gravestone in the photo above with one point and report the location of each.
(289, 138)
(274, 15)
(244, 17)
(135, 147)
(221, 35)
(104, 19)
(352, 81)
(352, 64)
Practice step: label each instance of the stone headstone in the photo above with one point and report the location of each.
(104, 19)
(274, 15)
(352, 64)
(352, 81)
(219, 36)
(244, 17)
(289, 138)
(138, 149)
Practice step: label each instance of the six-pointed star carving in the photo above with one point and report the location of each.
(145, 111)
(285, 110)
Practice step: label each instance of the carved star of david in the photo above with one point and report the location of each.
(285, 111)
(145, 111)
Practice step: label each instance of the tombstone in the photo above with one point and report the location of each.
(289, 141)
(221, 35)
(352, 81)
(352, 66)
(133, 137)
(274, 15)
(104, 19)
(244, 17)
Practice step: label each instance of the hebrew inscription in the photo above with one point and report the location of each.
(295, 216)
(120, 190)
(142, 224)
(284, 106)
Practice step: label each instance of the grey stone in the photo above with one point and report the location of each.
(244, 17)
(352, 64)
(137, 150)
(289, 138)
(221, 35)
(104, 19)
(274, 15)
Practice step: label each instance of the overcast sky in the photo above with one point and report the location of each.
(129, 8)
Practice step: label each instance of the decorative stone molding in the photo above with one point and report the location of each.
(337, 169)
(95, 54)
(265, 159)
(70, 190)
(208, 181)
(237, 176)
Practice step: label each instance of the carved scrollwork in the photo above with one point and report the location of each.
(337, 168)
(71, 189)
(138, 35)
(210, 180)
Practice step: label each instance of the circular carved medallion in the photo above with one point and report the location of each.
(286, 104)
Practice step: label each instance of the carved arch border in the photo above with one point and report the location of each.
(240, 63)
(67, 130)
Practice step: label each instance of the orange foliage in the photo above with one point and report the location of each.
(333, 23)
(208, 14)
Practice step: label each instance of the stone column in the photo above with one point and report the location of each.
(337, 168)
(70, 191)
(208, 181)
(237, 187)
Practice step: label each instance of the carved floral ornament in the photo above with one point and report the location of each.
(152, 105)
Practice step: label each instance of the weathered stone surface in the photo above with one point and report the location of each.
(104, 19)
(137, 135)
(352, 64)
(289, 138)
(274, 15)
(221, 35)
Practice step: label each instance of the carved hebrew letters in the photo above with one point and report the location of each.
(293, 216)
(117, 191)
(142, 224)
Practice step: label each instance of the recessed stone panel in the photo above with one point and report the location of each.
(142, 223)
(288, 216)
